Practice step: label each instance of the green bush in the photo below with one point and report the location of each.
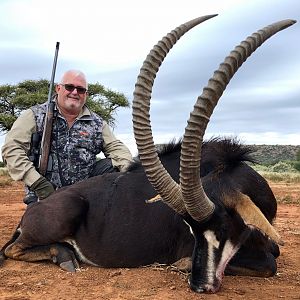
(282, 166)
(298, 155)
(297, 166)
(279, 167)
(260, 168)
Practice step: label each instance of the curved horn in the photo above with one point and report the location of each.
(252, 215)
(156, 173)
(197, 203)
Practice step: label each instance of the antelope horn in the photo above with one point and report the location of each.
(252, 215)
(198, 205)
(156, 173)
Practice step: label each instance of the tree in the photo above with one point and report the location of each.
(105, 102)
(16, 98)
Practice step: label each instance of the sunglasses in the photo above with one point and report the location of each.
(71, 88)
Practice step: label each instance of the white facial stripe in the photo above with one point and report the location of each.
(212, 244)
(228, 252)
(210, 264)
(211, 238)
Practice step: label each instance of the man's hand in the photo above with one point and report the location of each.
(42, 188)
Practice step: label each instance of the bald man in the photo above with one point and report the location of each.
(78, 135)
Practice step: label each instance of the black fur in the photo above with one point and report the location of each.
(112, 225)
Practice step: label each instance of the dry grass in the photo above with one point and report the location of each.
(288, 177)
(288, 199)
(5, 179)
(3, 172)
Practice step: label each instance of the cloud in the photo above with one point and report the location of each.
(109, 41)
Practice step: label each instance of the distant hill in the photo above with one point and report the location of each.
(271, 154)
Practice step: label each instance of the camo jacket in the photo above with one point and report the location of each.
(73, 150)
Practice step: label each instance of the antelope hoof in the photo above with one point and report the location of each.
(68, 266)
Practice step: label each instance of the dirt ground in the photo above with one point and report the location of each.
(21, 280)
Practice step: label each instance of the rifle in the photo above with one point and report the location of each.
(47, 132)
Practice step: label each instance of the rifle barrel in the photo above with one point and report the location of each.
(53, 72)
(47, 132)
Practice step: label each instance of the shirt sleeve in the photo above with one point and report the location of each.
(16, 148)
(115, 149)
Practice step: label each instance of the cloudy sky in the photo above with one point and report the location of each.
(109, 40)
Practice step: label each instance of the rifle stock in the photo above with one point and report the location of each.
(47, 132)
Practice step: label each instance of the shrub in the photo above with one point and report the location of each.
(3, 172)
(5, 181)
(281, 167)
(297, 166)
(298, 155)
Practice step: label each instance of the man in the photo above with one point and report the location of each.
(78, 135)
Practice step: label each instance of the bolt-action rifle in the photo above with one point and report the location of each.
(40, 148)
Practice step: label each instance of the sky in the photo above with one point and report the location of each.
(109, 40)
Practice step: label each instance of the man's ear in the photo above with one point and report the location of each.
(57, 88)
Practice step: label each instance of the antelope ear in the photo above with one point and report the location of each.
(253, 216)
(154, 199)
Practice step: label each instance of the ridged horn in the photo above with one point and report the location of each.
(156, 173)
(196, 201)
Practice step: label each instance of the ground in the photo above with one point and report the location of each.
(21, 280)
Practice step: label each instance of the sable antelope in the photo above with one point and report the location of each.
(104, 220)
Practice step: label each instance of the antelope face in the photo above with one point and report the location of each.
(216, 242)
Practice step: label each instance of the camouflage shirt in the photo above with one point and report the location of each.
(73, 150)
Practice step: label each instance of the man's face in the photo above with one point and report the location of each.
(70, 99)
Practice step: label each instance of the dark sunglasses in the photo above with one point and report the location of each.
(71, 88)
